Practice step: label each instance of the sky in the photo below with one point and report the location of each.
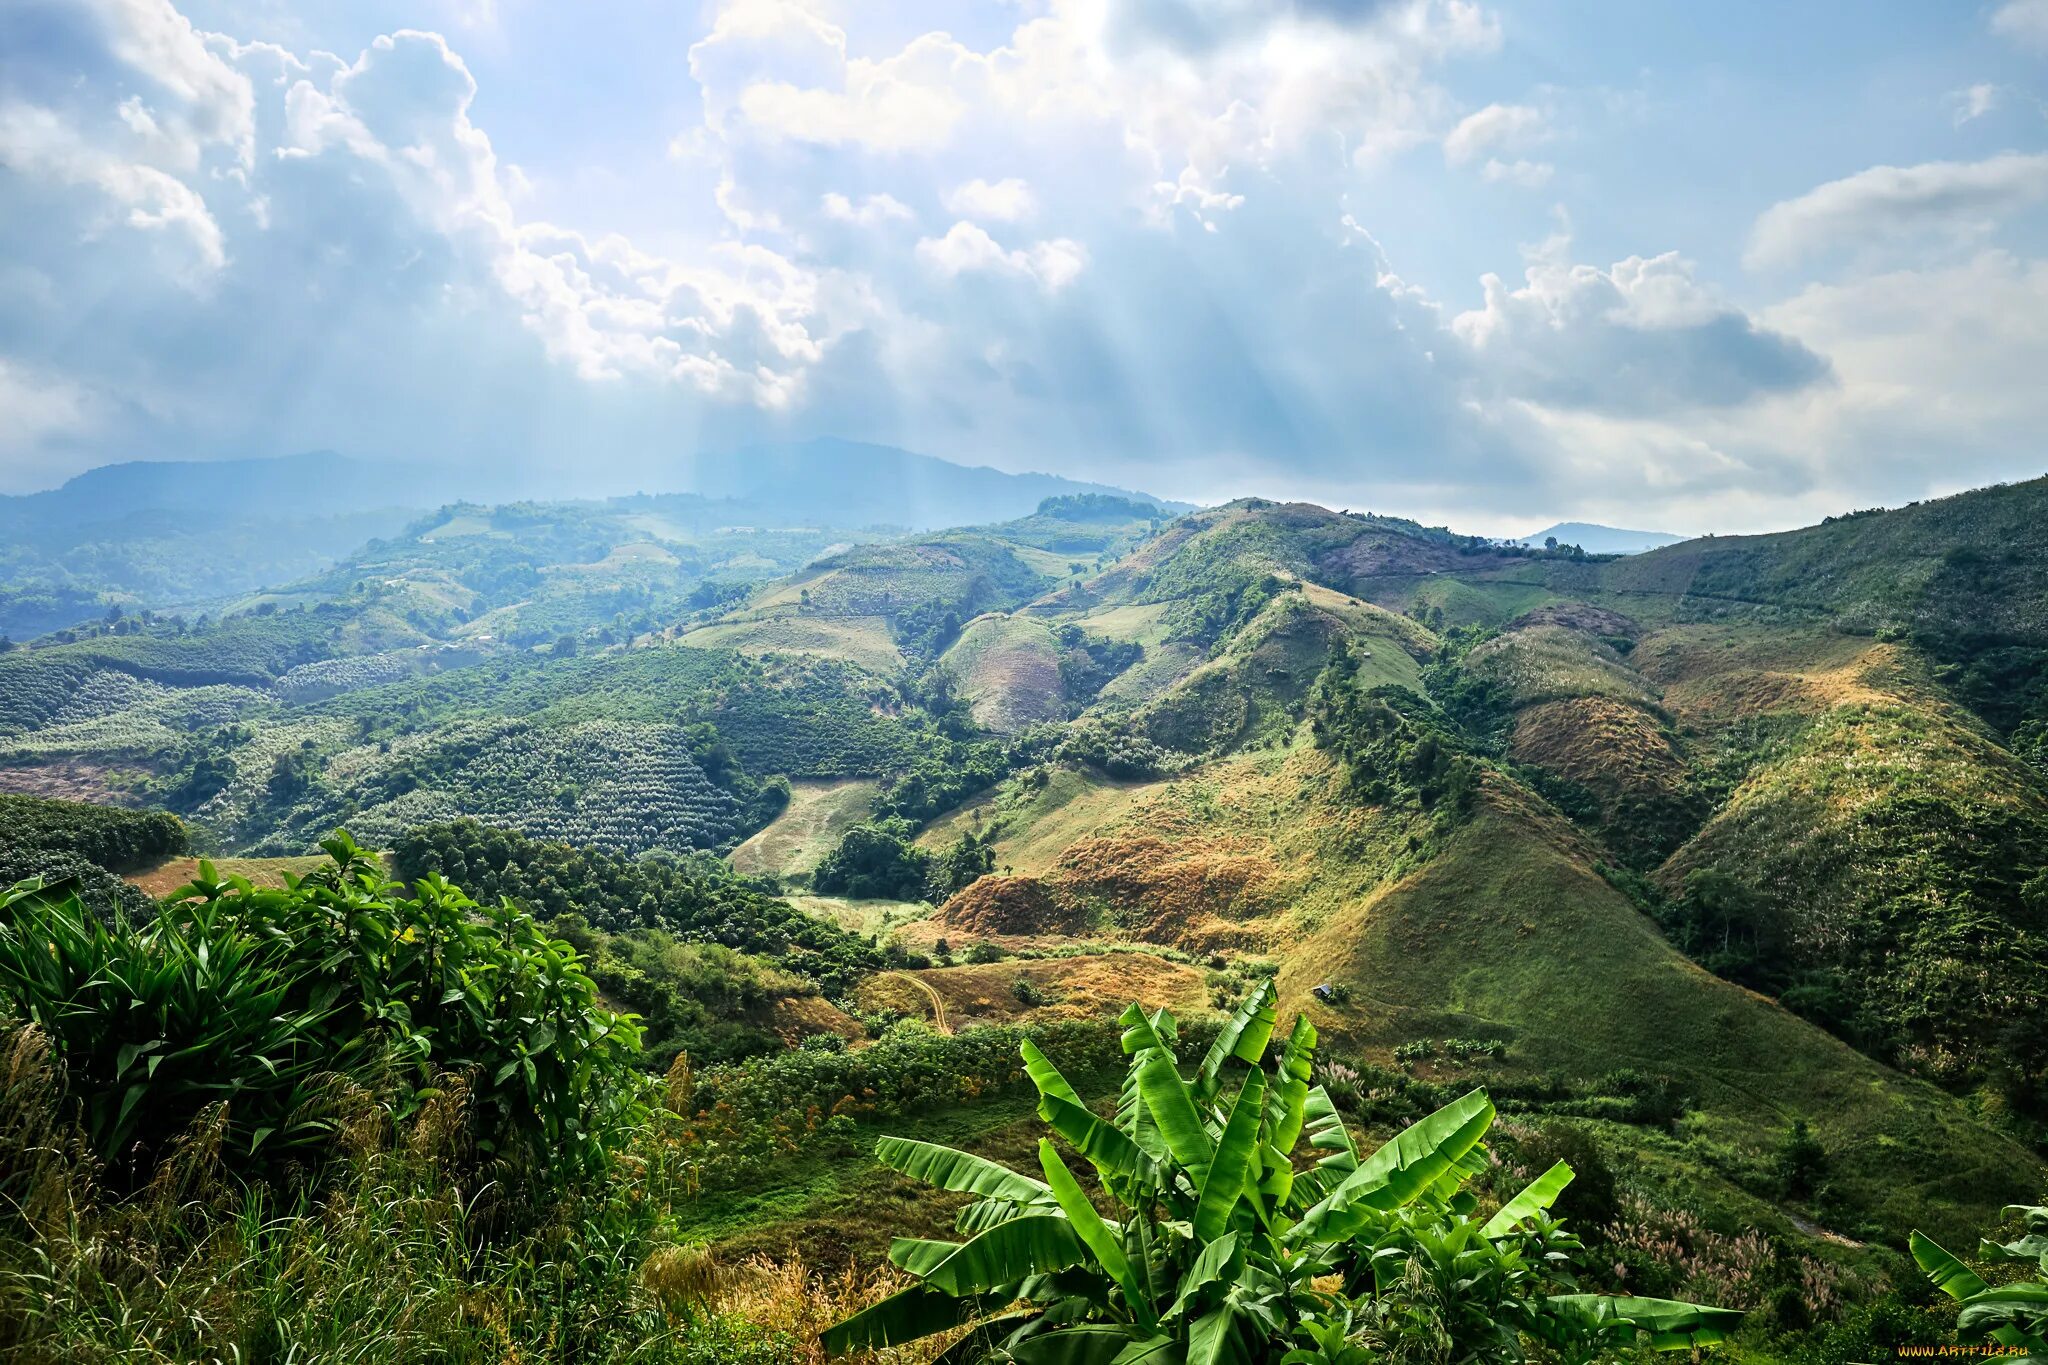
(1688, 267)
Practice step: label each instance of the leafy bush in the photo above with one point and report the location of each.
(875, 861)
(262, 1001)
(698, 900)
(1219, 1241)
(84, 845)
(1397, 749)
(118, 840)
(701, 998)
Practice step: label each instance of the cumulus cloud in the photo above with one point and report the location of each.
(1889, 204)
(1497, 127)
(37, 142)
(967, 247)
(1004, 201)
(1130, 240)
(872, 209)
(1640, 336)
(2024, 22)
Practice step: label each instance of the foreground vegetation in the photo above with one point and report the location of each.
(346, 1120)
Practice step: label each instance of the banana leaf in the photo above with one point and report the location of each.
(984, 1214)
(1095, 1234)
(1950, 1275)
(958, 1171)
(1535, 1198)
(1006, 1253)
(1214, 1264)
(1287, 1105)
(1670, 1325)
(1327, 1133)
(1244, 1036)
(1153, 1032)
(1096, 1344)
(1107, 1149)
(2022, 1307)
(1134, 1120)
(1409, 1163)
(1223, 1184)
(919, 1311)
(1173, 1109)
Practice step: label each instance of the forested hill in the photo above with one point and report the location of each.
(1722, 868)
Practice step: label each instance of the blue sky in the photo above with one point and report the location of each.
(1720, 267)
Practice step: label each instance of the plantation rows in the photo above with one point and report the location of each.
(118, 714)
(308, 682)
(612, 785)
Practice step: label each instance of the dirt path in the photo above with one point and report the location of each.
(938, 1002)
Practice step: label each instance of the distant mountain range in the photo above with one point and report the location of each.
(1595, 539)
(825, 482)
(830, 482)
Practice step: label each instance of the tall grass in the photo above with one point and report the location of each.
(396, 1255)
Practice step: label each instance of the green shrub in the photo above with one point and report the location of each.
(264, 1002)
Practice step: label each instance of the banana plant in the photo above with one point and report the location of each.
(2014, 1315)
(1216, 1245)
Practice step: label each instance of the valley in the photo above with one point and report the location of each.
(1684, 855)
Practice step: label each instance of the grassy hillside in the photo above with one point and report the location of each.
(1511, 933)
(818, 814)
(1504, 929)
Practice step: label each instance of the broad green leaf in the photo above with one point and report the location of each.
(1215, 1338)
(985, 1214)
(1212, 1265)
(1107, 1149)
(1095, 1344)
(919, 1311)
(1327, 1133)
(1045, 1075)
(2023, 1306)
(1409, 1163)
(1288, 1105)
(1535, 1198)
(1173, 1109)
(1223, 1184)
(1095, 1234)
(1244, 1036)
(956, 1170)
(1006, 1253)
(917, 1255)
(1950, 1275)
(1671, 1325)
(1147, 1032)
(1134, 1120)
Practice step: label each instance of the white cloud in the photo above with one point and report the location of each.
(967, 248)
(36, 142)
(1973, 101)
(41, 408)
(1497, 127)
(2023, 21)
(213, 99)
(1641, 336)
(1005, 201)
(1950, 200)
(872, 209)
